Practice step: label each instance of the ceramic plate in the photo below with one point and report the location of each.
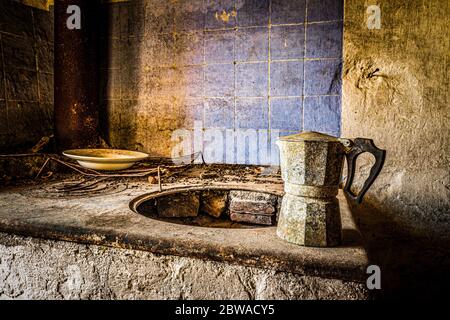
(105, 159)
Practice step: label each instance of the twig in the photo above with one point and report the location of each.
(17, 155)
(42, 168)
(159, 179)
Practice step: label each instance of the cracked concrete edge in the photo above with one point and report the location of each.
(44, 269)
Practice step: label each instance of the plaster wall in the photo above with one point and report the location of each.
(395, 91)
(43, 269)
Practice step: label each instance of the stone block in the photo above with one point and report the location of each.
(39, 269)
(253, 203)
(251, 207)
(253, 196)
(214, 203)
(178, 206)
(252, 218)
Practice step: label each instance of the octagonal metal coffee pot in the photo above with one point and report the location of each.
(311, 168)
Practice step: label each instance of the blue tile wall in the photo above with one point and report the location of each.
(324, 40)
(252, 44)
(219, 113)
(288, 11)
(219, 14)
(286, 78)
(251, 79)
(287, 42)
(252, 113)
(219, 80)
(325, 10)
(323, 113)
(269, 65)
(286, 113)
(253, 13)
(323, 77)
(219, 46)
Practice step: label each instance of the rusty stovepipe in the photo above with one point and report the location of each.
(76, 75)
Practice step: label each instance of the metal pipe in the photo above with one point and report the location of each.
(76, 116)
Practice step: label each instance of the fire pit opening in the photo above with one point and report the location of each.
(211, 207)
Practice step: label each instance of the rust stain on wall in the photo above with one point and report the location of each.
(225, 16)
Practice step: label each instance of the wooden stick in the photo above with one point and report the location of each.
(159, 179)
(42, 168)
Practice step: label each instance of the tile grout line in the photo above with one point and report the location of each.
(36, 60)
(223, 97)
(302, 120)
(269, 100)
(256, 26)
(234, 79)
(234, 152)
(204, 7)
(235, 62)
(4, 83)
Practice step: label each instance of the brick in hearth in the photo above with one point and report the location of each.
(252, 207)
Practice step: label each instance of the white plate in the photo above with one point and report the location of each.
(105, 159)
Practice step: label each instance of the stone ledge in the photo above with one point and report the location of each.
(46, 269)
(109, 221)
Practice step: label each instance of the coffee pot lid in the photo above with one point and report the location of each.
(309, 136)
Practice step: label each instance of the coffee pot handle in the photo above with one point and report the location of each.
(361, 145)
